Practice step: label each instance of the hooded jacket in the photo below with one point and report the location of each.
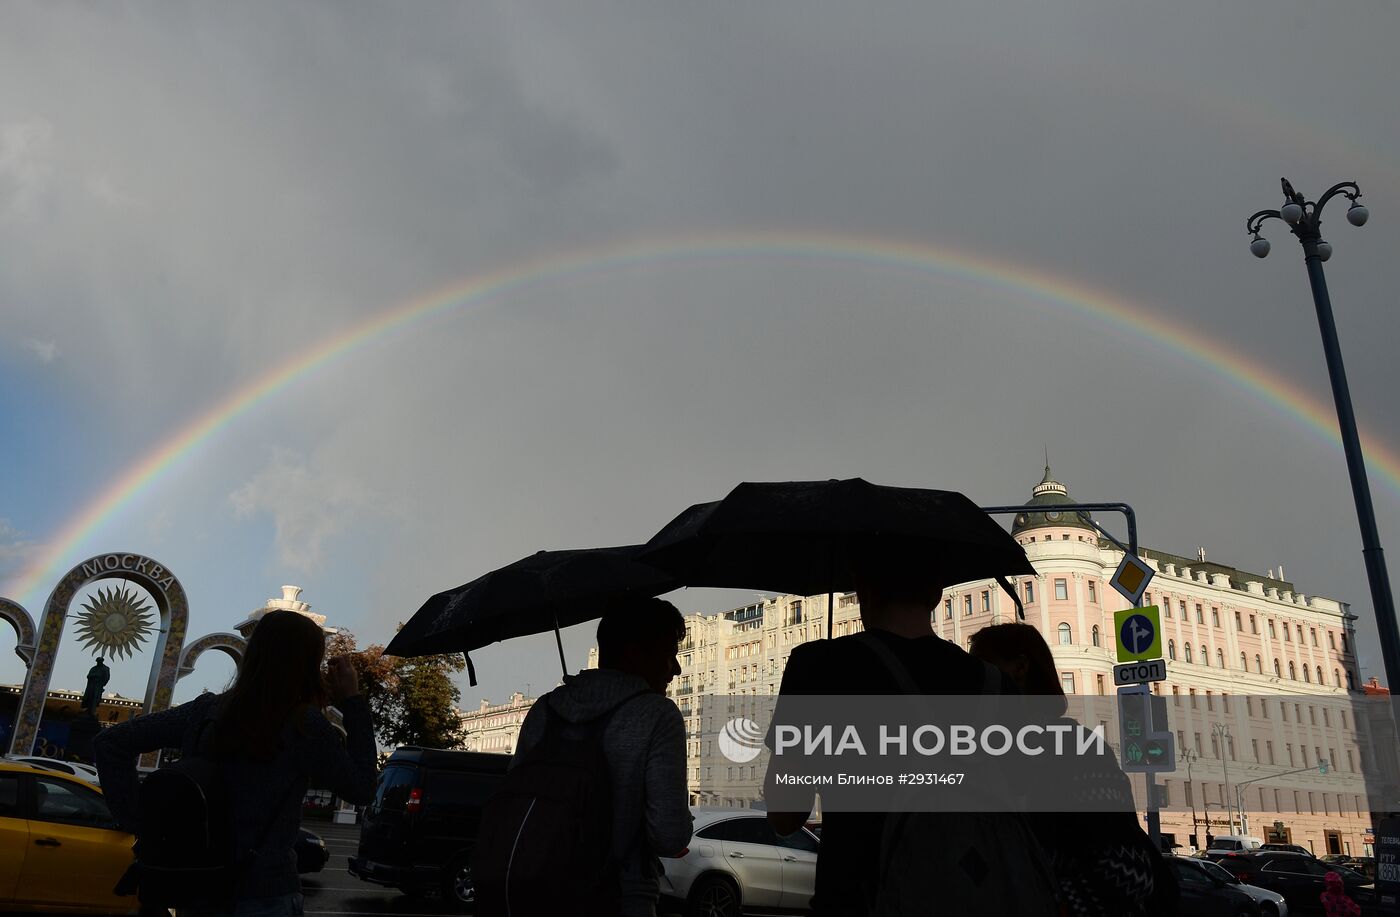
(645, 747)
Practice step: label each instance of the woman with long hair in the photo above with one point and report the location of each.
(271, 741)
(1104, 862)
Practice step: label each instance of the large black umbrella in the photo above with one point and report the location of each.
(545, 591)
(806, 537)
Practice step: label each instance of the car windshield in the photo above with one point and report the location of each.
(1216, 871)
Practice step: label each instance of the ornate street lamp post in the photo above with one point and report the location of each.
(1305, 221)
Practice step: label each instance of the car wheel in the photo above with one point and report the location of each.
(713, 896)
(457, 886)
(1268, 909)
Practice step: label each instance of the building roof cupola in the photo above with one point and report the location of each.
(1046, 495)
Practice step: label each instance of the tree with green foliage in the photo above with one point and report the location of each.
(414, 700)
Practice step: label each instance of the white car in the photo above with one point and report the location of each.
(736, 862)
(1271, 903)
(85, 772)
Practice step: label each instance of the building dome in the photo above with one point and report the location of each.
(1048, 494)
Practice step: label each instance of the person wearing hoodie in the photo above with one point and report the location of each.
(643, 742)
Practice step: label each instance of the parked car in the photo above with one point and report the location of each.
(311, 852)
(1298, 877)
(1222, 844)
(1206, 895)
(1271, 903)
(1288, 848)
(60, 849)
(417, 833)
(736, 862)
(76, 768)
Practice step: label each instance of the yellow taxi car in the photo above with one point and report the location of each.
(60, 849)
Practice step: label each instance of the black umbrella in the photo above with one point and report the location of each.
(806, 537)
(545, 591)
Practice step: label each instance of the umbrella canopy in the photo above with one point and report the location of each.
(807, 537)
(545, 591)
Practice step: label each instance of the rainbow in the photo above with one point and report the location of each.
(1033, 285)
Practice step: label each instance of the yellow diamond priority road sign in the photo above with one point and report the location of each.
(1138, 633)
(1131, 578)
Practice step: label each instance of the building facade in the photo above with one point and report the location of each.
(495, 727)
(1229, 634)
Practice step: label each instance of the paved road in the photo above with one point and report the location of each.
(336, 893)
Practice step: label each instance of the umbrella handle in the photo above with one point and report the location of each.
(471, 669)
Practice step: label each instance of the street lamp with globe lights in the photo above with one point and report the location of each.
(1304, 219)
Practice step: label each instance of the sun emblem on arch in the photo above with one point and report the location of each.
(114, 622)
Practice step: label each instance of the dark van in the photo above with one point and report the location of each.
(417, 833)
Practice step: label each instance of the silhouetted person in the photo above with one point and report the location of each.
(97, 678)
(271, 742)
(1105, 864)
(644, 740)
(896, 609)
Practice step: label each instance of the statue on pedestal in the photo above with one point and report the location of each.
(97, 679)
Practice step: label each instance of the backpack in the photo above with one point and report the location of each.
(184, 853)
(963, 863)
(545, 841)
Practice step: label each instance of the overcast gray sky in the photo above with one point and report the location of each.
(193, 195)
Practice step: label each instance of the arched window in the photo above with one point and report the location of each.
(1277, 670)
(1307, 675)
(1096, 636)
(1171, 650)
(1351, 685)
(1244, 663)
(1337, 677)
(1188, 651)
(1259, 663)
(1205, 655)
(1319, 675)
(1065, 636)
(1292, 671)
(1220, 658)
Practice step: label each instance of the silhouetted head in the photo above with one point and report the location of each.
(641, 637)
(1022, 653)
(895, 593)
(279, 677)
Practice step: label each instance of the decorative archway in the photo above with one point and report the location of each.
(232, 644)
(23, 624)
(174, 611)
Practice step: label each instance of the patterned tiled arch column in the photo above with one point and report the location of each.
(23, 624)
(174, 610)
(232, 644)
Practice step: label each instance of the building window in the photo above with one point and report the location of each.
(1067, 682)
(1253, 625)
(1278, 672)
(986, 600)
(1065, 636)
(1215, 617)
(1099, 678)
(1030, 591)
(1332, 639)
(1344, 643)
(1187, 647)
(948, 609)
(1200, 616)
(795, 613)
(1096, 636)
(1254, 743)
(1061, 590)
(967, 604)
(1272, 635)
(1205, 655)
(1171, 650)
(1220, 658)
(1244, 663)
(1351, 684)
(1239, 622)
(1147, 600)
(1287, 634)
(1319, 674)
(1307, 676)
(1300, 633)
(1312, 633)
(1292, 671)
(1337, 677)
(1259, 663)
(1269, 750)
(1181, 606)
(1093, 595)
